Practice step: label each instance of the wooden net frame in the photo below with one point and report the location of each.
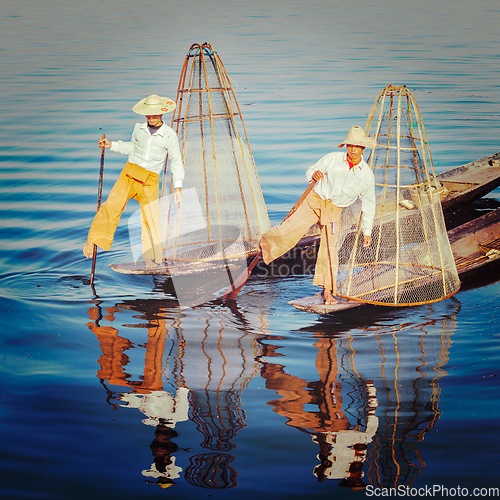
(410, 261)
(219, 165)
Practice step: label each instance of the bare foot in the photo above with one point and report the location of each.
(88, 249)
(329, 300)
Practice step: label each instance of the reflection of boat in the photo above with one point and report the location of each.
(475, 246)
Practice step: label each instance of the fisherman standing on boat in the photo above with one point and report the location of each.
(341, 179)
(139, 179)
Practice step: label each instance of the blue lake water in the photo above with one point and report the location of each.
(261, 400)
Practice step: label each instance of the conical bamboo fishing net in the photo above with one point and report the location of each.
(223, 202)
(410, 260)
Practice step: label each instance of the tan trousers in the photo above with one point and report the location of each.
(313, 210)
(139, 184)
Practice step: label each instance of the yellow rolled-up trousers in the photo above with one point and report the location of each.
(139, 184)
(313, 210)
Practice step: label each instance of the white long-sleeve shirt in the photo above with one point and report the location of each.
(343, 186)
(150, 150)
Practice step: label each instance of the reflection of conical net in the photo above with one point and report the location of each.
(211, 471)
(218, 163)
(407, 376)
(410, 260)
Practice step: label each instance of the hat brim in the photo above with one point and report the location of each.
(165, 105)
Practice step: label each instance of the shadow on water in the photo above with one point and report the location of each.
(369, 395)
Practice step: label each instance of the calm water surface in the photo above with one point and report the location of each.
(261, 400)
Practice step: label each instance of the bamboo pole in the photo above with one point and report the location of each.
(99, 195)
(181, 90)
(237, 285)
(398, 242)
(203, 65)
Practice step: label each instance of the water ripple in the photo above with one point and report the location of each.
(42, 285)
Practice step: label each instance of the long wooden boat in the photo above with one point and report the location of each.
(476, 250)
(470, 182)
(461, 185)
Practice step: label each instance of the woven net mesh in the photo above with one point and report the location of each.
(219, 166)
(410, 260)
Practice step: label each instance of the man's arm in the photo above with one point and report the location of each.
(124, 148)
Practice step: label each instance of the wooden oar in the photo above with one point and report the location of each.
(99, 194)
(237, 285)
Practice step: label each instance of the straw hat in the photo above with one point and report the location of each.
(154, 105)
(357, 137)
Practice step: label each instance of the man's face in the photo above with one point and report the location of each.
(354, 153)
(154, 120)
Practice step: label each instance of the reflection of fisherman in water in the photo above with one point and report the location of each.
(163, 467)
(406, 376)
(344, 452)
(342, 445)
(162, 409)
(216, 363)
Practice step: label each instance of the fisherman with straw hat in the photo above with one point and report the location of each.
(341, 178)
(147, 151)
